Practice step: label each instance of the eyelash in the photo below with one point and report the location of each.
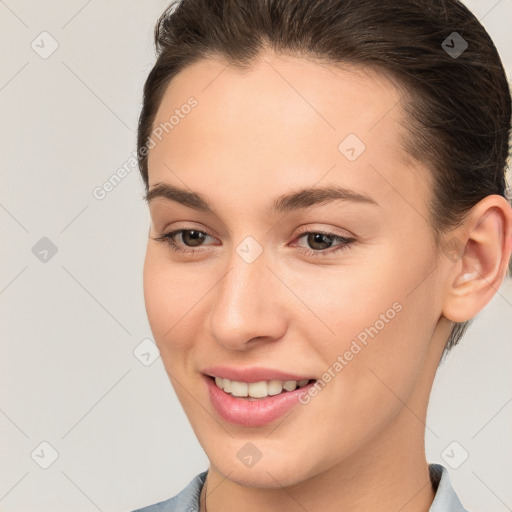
(167, 238)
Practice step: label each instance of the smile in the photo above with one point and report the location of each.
(257, 390)
(253, 397)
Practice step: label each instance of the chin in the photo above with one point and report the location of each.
(269, 475)
(275, 464)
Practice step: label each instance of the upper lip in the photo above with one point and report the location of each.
(252, 374)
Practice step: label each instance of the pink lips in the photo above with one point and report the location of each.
(254, 374)
(252, 413)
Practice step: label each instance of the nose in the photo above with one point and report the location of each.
(248, 309)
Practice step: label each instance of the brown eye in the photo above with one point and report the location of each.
(192, 237)
(318, 241)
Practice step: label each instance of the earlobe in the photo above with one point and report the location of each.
(484, 245)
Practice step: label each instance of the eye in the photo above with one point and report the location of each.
(194, 237)
(322, 240)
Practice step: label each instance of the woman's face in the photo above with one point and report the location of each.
(256, 293)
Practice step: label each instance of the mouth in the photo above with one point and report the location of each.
(258, 390)
(233, 401)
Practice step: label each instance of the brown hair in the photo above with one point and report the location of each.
(458, 99)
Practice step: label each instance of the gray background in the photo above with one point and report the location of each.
(70, 323)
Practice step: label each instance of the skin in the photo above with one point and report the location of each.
(255, 135)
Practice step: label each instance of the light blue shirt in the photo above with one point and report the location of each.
(187, 500)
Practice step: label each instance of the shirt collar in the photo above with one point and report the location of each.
(445, 500)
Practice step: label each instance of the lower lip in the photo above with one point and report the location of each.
(253, 413)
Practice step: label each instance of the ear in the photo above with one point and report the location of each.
(477, 256)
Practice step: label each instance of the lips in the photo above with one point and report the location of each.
(247, 411)
(252, 413)
(253, 374)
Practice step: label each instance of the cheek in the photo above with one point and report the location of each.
(170, 297)
(378, 335)
(155, 294)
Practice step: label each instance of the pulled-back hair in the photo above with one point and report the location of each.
(457, 104)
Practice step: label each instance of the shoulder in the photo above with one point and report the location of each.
(186, 501)
(445, 500)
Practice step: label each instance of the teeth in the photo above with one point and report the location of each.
(239, 388)
(275, 387)
(258, 389)
(290, 385)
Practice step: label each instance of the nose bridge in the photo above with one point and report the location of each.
(246, 301)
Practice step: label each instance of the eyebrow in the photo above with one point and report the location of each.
(301, 199)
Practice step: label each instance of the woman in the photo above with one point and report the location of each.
(328, 213)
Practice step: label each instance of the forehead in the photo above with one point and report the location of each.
(283, 120)
(285, 93)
